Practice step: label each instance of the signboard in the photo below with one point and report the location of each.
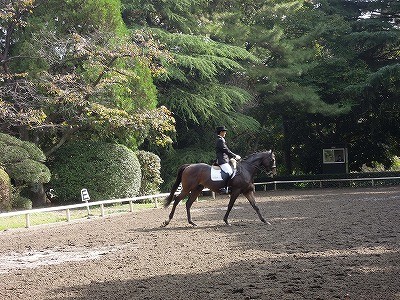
(332, 156)
(335, 160)
(85, 195)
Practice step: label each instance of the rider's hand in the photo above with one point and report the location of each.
(237, 157)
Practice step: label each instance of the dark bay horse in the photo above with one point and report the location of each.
(195, 177)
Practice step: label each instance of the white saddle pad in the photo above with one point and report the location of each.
(216, 174)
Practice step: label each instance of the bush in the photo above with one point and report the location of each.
(5, 191)
(30, 171)
(22, 203)
(107, 171)
(22, 160)
(150, 167)
(13, 149)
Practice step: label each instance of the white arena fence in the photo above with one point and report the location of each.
(330, 183)
(272, 185)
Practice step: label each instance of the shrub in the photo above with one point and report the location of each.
(23, 160)
(107, 171)
(5, 191)
(13, 149)
(30, 171)
(150, 167)
(20, 202)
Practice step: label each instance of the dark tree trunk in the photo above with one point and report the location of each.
(38, 195)
(287, 146)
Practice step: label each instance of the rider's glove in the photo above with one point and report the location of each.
(237, 157)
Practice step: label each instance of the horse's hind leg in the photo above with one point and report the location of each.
(178, 199)
(193, 196)
(252, 200)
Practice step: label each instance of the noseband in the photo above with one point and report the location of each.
(263, 168)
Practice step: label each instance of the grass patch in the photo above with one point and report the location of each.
(61, 216)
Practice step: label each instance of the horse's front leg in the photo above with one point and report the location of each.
(232, 200)
(250, 196)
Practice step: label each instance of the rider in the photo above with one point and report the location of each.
(223, 155)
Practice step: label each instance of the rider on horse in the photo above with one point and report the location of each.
(223, 156)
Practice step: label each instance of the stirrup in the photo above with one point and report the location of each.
(224, 191)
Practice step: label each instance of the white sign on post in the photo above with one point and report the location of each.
(85, 198)
(85, 195)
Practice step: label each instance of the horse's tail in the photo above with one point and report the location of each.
(178, 180)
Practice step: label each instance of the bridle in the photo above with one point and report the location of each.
(262, 168)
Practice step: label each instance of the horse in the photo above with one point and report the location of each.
(195, 177)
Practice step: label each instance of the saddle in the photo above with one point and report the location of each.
(218, 175)
(232, 162)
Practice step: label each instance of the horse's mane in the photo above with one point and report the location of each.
(252, 155)
(249, 159)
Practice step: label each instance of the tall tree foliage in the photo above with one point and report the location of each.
(199, 84)
(319, 59)
(362, 65)
(84, 75)
(285, 36)
(66, 75)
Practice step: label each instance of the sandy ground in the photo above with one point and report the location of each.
(322, 244)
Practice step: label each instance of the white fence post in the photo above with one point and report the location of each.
(27, 221)
(130, 206)
(155, 202)
(68, 215)
(102, 209)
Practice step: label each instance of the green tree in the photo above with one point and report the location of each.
(361, 64)
(96, 82)
(286, 36)
(67, 76)
(204, 84)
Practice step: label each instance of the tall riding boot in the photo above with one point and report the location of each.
(225, 190)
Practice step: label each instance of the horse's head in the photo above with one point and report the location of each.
(268, 161)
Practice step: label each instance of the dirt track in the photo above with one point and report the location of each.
(322, 244)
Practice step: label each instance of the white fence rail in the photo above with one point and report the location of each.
(321, 182)
(155, 198)
(68, 208)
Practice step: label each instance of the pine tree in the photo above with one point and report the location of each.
(369, 56)
(200, 83)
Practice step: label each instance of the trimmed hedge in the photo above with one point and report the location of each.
(5, 191)
(22, 203)
(107, 171)
(151, 178)
(22, 160)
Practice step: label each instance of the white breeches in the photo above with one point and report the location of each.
(226, 167)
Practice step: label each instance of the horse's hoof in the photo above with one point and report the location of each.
(164, 224)
(193, 224)
(266, 222)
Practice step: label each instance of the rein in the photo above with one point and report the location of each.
(257, 167)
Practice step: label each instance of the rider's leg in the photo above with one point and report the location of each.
(227, 169)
